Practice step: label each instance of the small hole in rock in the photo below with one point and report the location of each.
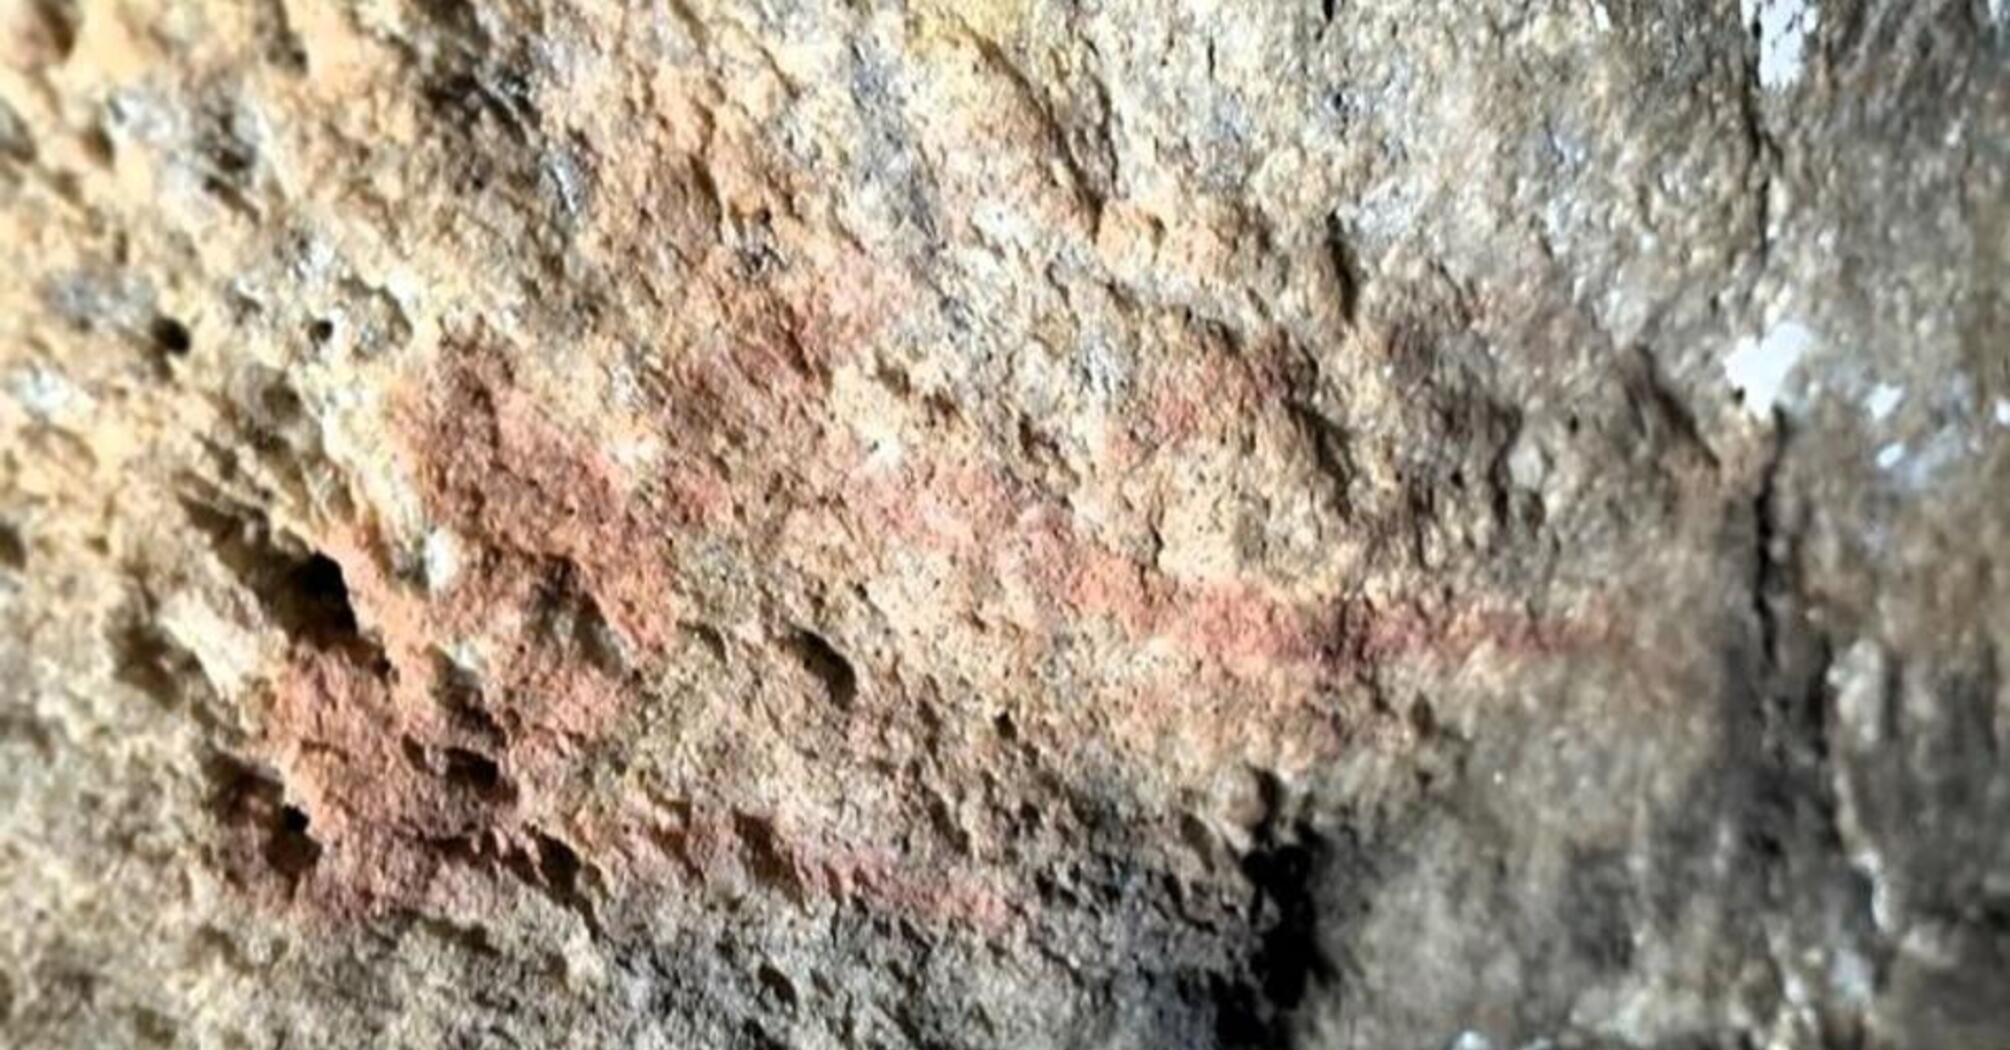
(251, 800)
(315, 601)
(708, 636)
(58, 25)
(98, 146)
(170, 335)
(321, 331)
(415, 755)
(281, 404)
(13, 550)
(826, 665)
(291, 850)
(560, 867)
(777, 984)
(478, 773)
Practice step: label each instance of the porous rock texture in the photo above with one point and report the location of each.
(1013, 523)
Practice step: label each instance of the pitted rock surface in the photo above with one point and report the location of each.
(1347, 524)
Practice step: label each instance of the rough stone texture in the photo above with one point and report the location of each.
(837, 523)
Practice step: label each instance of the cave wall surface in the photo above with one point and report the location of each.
(1346, 524)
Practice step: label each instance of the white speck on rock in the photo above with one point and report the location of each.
(466, 655)
(1471, 1040)
(1784, 28)
(1891, 455)
(1882, 400)
(886, 455)
(2003, 411)
(441, 555)
(1852, 977)
(1858, 680)
(1935, 453)
(314, 259)
(636, 454)
(44, 392)
(1758, 368)
(1528, 465)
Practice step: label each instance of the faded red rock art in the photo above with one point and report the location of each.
(445, 735)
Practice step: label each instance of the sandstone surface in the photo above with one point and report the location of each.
(1350, 524)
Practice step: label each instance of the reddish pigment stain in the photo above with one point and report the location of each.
(404, 765)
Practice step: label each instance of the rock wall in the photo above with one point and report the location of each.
(1024, 523)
